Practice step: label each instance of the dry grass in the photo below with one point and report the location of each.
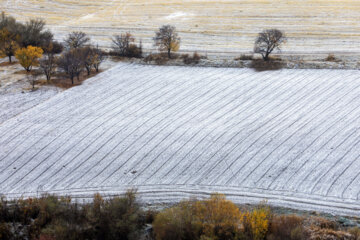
(221, 26)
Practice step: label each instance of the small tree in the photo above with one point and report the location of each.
(28, 57)
(121, 43)
(267, 41)
(99, 57)
(33, 33)
(8, 43)
(167, 39)
(32, 77)
(76, 40)
(48, 65)
(72, 63)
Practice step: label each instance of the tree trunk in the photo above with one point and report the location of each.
(266, 57)
(169, 54)
(9, 59)
(72, 80)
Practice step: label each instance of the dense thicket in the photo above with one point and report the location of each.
(50, 217)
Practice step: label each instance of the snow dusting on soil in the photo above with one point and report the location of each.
(289, 136)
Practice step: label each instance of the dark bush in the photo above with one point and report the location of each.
(245, 57)
(159, 58)
(286, 227)
(195, 59)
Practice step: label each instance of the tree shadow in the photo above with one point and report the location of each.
(260, 65)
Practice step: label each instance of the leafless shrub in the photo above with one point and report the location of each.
(159, 59)
(245, 57)
(195, 59)
(331, 58)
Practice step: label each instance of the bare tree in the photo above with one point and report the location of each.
(267, 41)
(99, 57)
(121, 43)
(76, 40)
(32, 77)
(48, 65)
(72, 63)
(167, 39)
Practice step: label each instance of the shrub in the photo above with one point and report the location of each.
(355, 232)
(195, 59)
(159, 59)
(213, 218)
(245, 57)
(331, 58)
(218, 217)
(256, 222)
(286, 227)
(50, 217)
(177, 223)
(5, 232)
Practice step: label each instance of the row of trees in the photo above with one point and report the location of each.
(33, 45)
(168, 40)
(30, 42)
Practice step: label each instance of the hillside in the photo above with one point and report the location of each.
(224, 27)
(289, 136)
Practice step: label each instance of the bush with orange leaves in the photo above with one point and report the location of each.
(214, 218)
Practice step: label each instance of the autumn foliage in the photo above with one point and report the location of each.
(28, 57)
(213, 218)
(8, 43)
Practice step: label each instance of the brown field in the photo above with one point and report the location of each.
(312, 26)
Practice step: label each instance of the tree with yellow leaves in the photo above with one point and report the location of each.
(8, 43)
(256, 222)
(167, 39)
(29, 56)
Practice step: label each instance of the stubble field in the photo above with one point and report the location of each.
(224, 27)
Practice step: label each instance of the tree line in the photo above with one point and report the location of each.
(33, 45)
(51, 217)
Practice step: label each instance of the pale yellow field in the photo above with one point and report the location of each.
(312, 26)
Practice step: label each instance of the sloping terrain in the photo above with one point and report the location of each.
(226, 26)
(289, 136)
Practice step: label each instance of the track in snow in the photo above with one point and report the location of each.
(289, 136)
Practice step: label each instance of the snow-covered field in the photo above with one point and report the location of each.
(222, 26)
(289, 136)
(16, 95)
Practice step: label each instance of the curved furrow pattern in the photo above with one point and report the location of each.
(102, 120)
(180, 93)
(290, 136)
(295, 121)
(267, 121)
(315, 124)
(208, 133)
(255, 104)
